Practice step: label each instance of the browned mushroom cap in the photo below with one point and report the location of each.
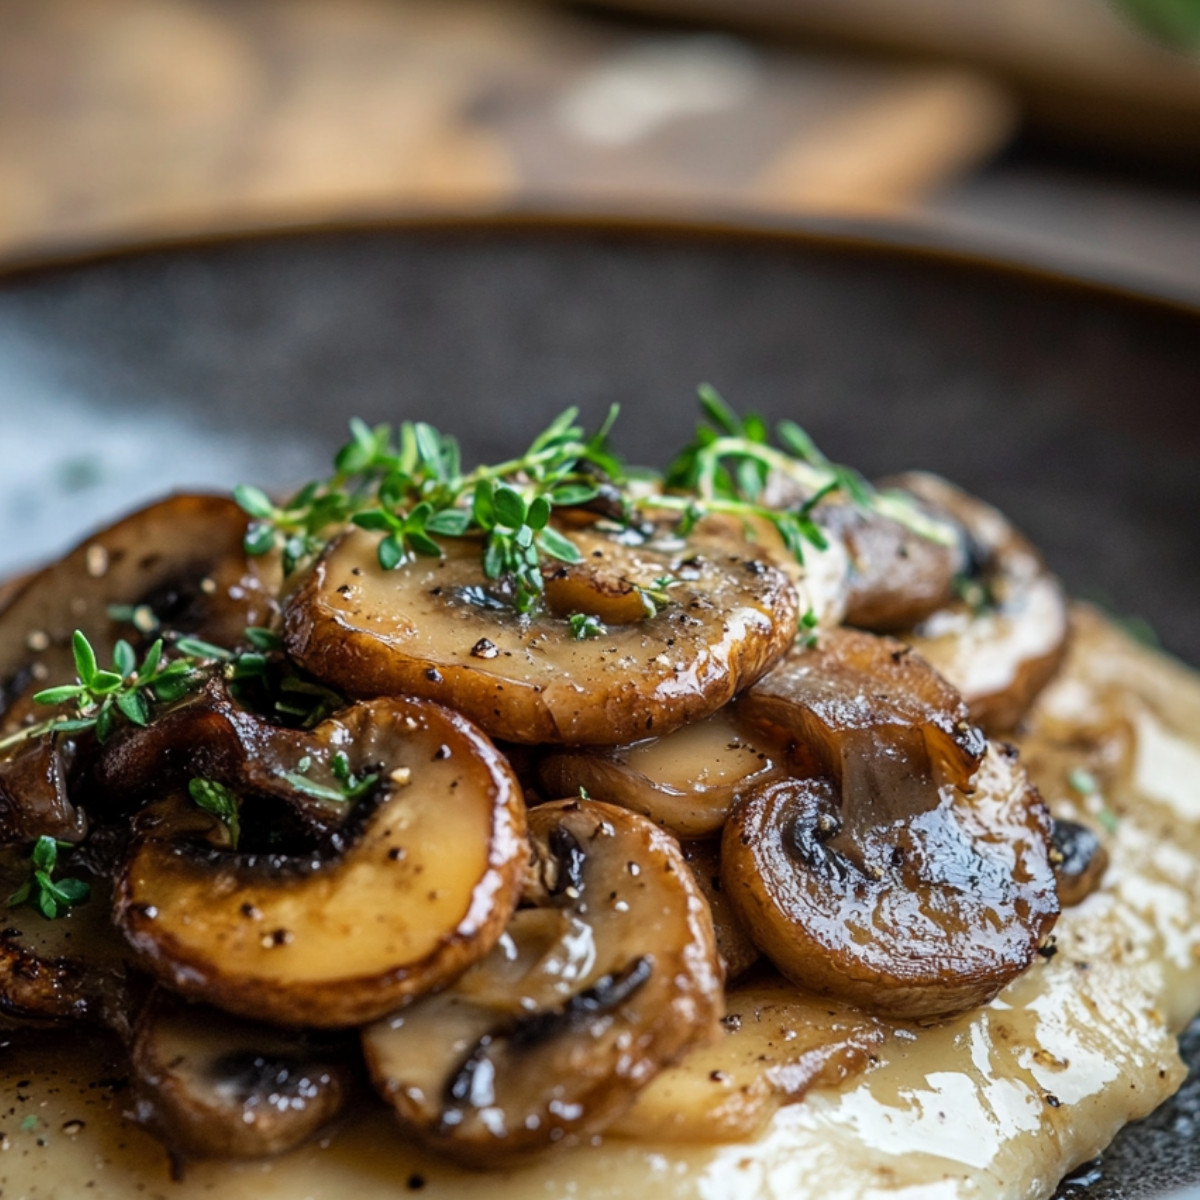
(775, 1045)
(894, 577)
(880, 573)
(69, 971)
(432, 628)
(610, 977)
(924, 915)
(181, 558)
(686, 781)
(418, 885)
(1002, 645)
(34, 799)
(209, 1085)
(873, 716)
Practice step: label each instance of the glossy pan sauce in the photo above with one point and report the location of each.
(1000, 1102)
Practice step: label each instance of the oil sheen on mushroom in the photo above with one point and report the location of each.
(775, 1045)
(181, 558)
(417, 885)
(1003, 640)
(435, 628)
(920, 915)
(686, 781)
(606, 976)
(209, 1085)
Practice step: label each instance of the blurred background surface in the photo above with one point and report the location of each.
(1063, 131)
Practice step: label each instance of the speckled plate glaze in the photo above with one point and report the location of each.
(1071, 405)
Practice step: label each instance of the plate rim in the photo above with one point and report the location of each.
(924, 244)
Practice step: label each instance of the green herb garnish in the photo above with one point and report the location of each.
(584, 626)
(729, 463)
(100, 697)
(51, 897)
(349, 787)
(217, 799)
(410, 487)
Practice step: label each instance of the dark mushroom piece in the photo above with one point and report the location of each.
(416, 885)
(1079, 861)
(209, 1085)
(903, 868)
(686, 781)
(436, 628)
(881, 573)
(915, 916)
(69, 971)
(874, 717)
(610, 975)
(1002, 642)
(34, 797)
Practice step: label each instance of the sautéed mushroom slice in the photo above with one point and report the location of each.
(605, 977)
(921, 915)
(417, 884)
(1001, 642)
(686, 781)
(209, 1085)
(679, 627)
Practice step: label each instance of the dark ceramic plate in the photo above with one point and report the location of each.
(1072, 406)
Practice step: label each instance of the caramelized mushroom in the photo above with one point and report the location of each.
(607, 978)
(874, 717)
(1001, 643)
(34, 799)
(922, 914)
(209, 1085)
(435, 628)
(182, 559)
(775, 1045)
(416, 885)
(686, 782)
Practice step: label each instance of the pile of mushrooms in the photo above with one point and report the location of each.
(564, 859)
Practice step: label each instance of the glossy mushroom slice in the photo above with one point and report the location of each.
(686, 781)
(34, 797)
(879, 572)
(209, 1085)
(775, 1045)
(416, 886)
(435, 628)
(608, 977)
(925, 914)
(180, 560)
(874, 717)
(1002, 642)
(1079, 859)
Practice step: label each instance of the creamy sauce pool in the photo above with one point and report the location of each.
(1000, 1102)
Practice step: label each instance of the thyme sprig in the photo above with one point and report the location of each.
(409, 485)
(51, 897)
(101, 696)
(728, 466)
(214, 797)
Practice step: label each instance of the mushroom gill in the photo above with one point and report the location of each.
(436, 627)
(416, 884)
(606, 976)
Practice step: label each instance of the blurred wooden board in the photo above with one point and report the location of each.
(125, 119)
(1081, 68)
